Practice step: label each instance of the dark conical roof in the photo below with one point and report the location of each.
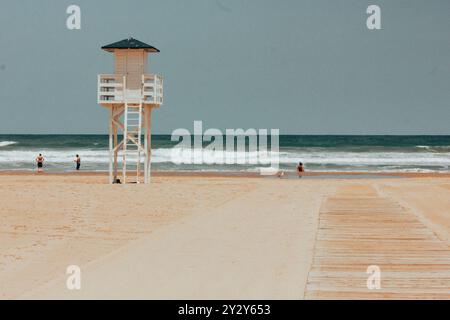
(129, 43)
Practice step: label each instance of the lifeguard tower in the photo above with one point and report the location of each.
(130, 94)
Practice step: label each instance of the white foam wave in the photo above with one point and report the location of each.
(7, 143)
(289, 158)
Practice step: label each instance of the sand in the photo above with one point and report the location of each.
(219, 237)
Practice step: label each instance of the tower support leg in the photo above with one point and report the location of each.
(124, 145)
(149, 144)
(111, 145)
(139, 140)
(115, 141)
(116, 151)
(146, 155)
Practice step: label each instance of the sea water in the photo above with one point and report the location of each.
(329, 153)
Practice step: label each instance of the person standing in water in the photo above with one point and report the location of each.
(77, 161)
(40, 162)
(300, 169)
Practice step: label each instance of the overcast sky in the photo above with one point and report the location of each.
(305, 67)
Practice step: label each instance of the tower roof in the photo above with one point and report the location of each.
(129, 43)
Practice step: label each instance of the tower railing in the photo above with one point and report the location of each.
(111, 89)
(152, 88)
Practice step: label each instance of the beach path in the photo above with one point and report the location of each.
(367, 225)
(224, 237)
(257, 245)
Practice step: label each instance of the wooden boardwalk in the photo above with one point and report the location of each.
(359, 228)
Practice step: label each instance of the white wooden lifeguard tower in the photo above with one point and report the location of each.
(130, 94)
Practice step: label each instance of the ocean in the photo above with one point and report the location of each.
(330, 153)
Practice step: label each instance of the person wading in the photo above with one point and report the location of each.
(300, 169)
(77, 162)
(40, 163)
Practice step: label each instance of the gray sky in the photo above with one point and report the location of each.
(305, 67)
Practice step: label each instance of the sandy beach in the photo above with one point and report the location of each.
(224, 237)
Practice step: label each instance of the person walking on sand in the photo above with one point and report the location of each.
(300, 169)
(40, 162)
(77, 161)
